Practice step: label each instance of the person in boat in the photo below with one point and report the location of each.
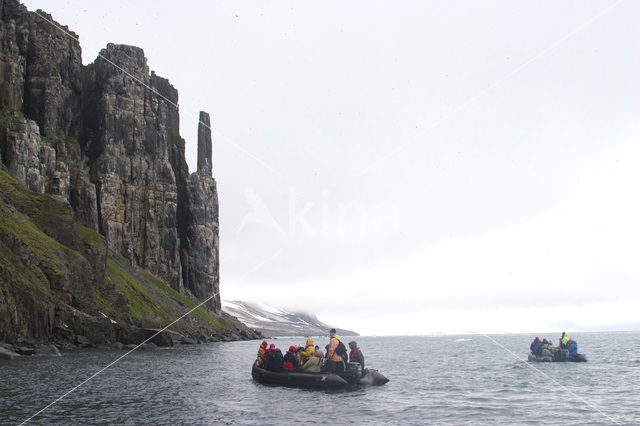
(274, 360)
(564, 339)
(536, 346)
(299, 350)
(314, 363)
(262, 353)
(356, 354)
(290, 361)
(267, 358)
(335, 354)
(307, 353)
(573, 347)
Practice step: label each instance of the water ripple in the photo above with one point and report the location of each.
(434, 380)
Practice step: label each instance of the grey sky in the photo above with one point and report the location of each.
(459, 166)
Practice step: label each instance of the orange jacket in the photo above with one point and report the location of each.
(261, 351)
(331, 353)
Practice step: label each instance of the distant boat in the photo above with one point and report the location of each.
(559, 355)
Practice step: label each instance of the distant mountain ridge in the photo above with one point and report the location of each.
(272, 321)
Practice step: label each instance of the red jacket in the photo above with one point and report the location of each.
(289, 361)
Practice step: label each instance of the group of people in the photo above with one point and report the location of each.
(310, 358)
(545, 347)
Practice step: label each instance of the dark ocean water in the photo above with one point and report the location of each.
(434, 380)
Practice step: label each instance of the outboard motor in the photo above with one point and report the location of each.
(372, 377)
(352, 372)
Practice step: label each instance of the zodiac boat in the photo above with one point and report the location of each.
(351, 376)
(559, 355)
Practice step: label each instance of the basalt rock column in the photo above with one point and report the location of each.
(204, 145)
(137, 191)
(200, 250)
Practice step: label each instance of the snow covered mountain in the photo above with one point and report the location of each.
(273, 321)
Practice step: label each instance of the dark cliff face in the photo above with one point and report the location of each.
(136, 185)
(200, 249)
(107, 142)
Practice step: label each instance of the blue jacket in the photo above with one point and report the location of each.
(573, 349)
(536, 347)
(274, 360)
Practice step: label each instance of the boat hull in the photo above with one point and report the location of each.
(558, 358)
(317, 380)
(298, 379)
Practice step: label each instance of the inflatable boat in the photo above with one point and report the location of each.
(351, 376)
(559, 355)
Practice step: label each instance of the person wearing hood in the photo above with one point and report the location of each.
(573, 347)
(314, 363)
(290, 362)
(536, 346)
(262, 353)
(273, 360)
(267, 357)
(308, 351)
(564, 339)
(356, 354)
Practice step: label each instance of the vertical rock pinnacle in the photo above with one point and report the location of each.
(204, 145)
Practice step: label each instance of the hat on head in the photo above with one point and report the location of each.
(264, 343)
(332, 331)
(272, 346)
(292, 348)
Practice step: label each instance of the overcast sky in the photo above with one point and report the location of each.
(410, 167)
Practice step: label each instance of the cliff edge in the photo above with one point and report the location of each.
(104, 233)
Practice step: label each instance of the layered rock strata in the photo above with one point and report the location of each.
(104, 139)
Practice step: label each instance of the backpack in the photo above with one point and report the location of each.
(274, 360)
(341, 350)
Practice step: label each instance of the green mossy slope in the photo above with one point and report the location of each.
(57, 282)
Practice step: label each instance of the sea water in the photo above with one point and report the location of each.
(433, 380)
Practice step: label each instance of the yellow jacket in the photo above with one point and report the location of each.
(308, 351)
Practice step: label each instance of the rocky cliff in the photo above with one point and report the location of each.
(99, 182)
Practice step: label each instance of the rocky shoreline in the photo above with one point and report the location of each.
(21, 349)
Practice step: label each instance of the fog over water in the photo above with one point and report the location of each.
(414, 167)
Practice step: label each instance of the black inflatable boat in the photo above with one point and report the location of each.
(352, 376)
(559, 355)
